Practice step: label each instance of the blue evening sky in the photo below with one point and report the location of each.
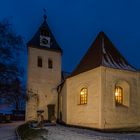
(75, 24)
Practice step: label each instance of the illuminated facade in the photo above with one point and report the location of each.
(101, 92)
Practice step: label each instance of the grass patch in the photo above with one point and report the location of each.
(27, 133)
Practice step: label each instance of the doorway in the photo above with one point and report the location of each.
(51, 111)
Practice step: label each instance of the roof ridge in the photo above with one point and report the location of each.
(102, 53)
(102, 46)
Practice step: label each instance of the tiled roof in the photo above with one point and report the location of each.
(102, 53)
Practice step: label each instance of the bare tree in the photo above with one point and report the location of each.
(11, 72)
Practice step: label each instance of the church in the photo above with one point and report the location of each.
(102, 92)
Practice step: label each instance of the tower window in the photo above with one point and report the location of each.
(50, 64)
(44, 32)
(118, 95)
(39, 61)
(83, 96)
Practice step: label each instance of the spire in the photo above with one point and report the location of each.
(35, 40)
(45, 15)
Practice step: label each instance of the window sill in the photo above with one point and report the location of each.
(81, 104)
(121, 105)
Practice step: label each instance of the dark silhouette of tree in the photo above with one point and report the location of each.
(11, 73)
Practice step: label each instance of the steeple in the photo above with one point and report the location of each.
(43, 38)
(45, 15)
(102, 53)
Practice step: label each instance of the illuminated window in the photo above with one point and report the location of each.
(39, 61)
(50, 64)
(118, 95)
(83, 96)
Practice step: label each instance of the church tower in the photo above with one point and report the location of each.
(44, 74)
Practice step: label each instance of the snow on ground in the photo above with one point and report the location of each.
(7, 130)
(68, 133)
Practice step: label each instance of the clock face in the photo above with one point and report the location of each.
(45, 41)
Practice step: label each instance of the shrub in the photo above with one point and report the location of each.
(27, 133)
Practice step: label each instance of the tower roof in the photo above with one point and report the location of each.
(102, 53)
(35, 41)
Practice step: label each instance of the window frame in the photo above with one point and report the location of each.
(84, 96)
(39, 62)
(50, 63)
(119, 97)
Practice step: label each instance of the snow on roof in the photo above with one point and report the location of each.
(102, 53)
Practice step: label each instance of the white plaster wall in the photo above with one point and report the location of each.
(63, 102)
(43, 81)
(87, 115)
(101, 111)
(120, 116)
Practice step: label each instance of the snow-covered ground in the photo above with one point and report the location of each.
(68, 133)
(7, 130)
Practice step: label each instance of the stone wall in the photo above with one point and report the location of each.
(126, 115)
(88, 114)
(42, 81)
(101, 110)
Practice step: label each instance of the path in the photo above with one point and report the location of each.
(7, 130)
(67, 133)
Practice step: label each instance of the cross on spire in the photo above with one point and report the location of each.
(45, 15)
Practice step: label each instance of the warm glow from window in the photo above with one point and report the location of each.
(118, 95)
(83, 96)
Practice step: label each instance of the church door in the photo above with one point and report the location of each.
(51, 112)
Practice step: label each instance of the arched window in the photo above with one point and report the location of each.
(122, 93)
(39, 61)
(118, 95)
(50, 64)
(83, 96)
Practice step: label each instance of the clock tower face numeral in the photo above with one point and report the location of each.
(45, 41)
